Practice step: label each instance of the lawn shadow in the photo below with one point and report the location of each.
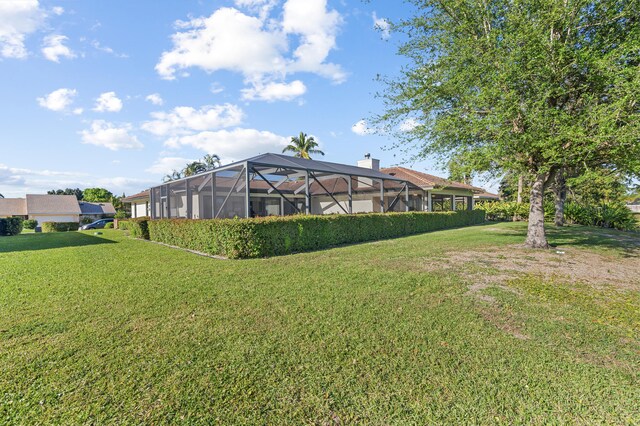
(46, 241)
(625, 242)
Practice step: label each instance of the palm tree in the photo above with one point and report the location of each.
(302, 146)
(211, 161)
(174, 175)
(193, 168)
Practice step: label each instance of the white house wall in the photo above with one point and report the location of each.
(139, 209)
(54, 218)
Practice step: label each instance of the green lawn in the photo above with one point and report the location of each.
(106, 329)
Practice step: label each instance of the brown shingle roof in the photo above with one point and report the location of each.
(52, 204)
(140, 196)
(488, 195)
(425, 180)
(13, 207)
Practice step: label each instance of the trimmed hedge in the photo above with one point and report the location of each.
(30, 224)
(137, 227)
(10, 226)
(261, 237)
(60, 226)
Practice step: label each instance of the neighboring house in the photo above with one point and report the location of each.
(53, 208)
(10, 207)
(138, 204)
(438, 194)
(486, 197)
(275, 184)
(96, 211)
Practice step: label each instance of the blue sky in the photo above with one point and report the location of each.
(117, 93)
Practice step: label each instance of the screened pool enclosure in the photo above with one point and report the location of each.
(278, 185)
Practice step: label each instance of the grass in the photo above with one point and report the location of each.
(108, 329)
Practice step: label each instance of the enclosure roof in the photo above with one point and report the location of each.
(288, 162)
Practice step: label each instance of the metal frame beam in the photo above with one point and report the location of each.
(329, 193)
(240, 173)
(395, 200)
(279, 193)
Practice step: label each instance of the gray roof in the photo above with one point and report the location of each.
(13, 207)
(286, 161)
(96, 208)
(52, 204)
(288, 164)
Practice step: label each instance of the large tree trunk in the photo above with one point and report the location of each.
(560, 195)
(536, 237)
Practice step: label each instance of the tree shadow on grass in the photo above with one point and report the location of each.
(625, 242)
(29, 242)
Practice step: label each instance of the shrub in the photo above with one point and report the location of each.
(120, 214)
(606, 215)
(30, 224)
(86, 220)
(504, 210)
(138, 227)
(108, 225)
(260, 237)
(60, 226)
(10, 226)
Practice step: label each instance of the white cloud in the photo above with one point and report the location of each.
(382, 25)
(232, 145)
(258, 47)
(274, 91)
(165, 165)
(58, 100)
(53, 48)
(108, 135)
(18, 19)
(108, 102)
(362, 128)
(216, 88)
(57, 10)
(318, 29)
(155, 99)
(228, 39)
(17, 181)
(78, 111)
(184, 120)
(261, 7)
(96, 45)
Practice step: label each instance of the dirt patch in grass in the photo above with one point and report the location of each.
(562, 264)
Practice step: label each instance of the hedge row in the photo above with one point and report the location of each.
(60, 226)
(10, 226)
(261, 237)
(137, 227)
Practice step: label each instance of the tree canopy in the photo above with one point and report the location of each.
(97, 195)
(524, 86)
(208, 162)
(68, 191)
